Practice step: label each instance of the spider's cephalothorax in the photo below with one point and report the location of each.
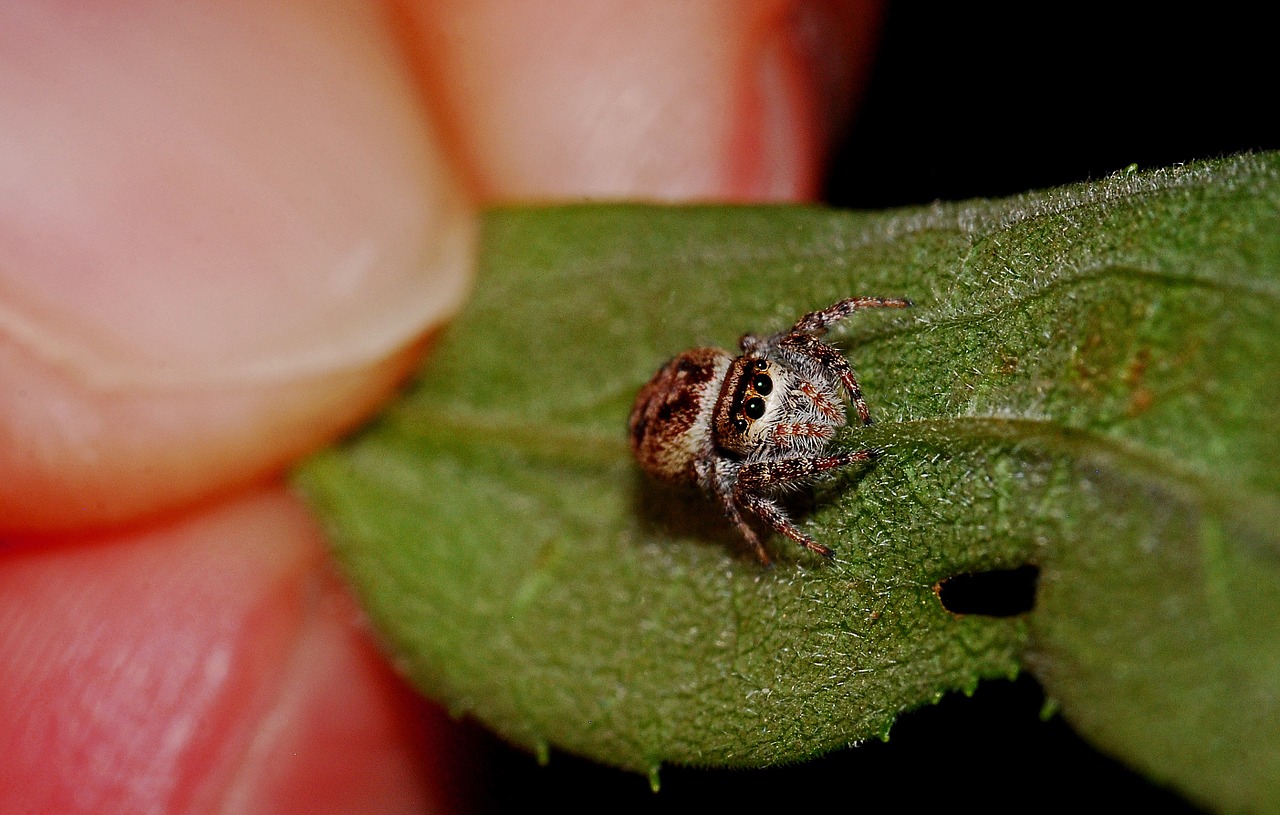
(748, 427)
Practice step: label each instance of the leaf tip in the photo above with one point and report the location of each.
(655, 777)
(1049, 709)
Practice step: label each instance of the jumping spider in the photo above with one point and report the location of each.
(746, 428)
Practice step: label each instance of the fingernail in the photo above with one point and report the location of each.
(217, 194)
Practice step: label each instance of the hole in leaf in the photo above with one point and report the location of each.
(1002, 593)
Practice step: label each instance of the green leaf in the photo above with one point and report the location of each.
(1089, 382)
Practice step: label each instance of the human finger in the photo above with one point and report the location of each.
(667, 100)
(222, 229)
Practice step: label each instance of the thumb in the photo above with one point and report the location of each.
(218, 231)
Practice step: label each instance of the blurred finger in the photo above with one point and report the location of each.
(209, 665)
(664, 99)
(220, 228)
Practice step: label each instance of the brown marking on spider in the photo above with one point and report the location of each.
(829, 409)
(747, 428)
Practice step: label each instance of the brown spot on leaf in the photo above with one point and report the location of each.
(1140, 396)
(1140, 402)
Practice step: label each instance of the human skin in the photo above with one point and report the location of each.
(227, 233)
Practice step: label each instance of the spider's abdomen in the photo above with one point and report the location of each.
(670, 425)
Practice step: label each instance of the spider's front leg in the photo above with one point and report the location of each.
(727, 503)
(834, 361)
(803, 337)
(755, 481)
(817, 322)
(772, 514)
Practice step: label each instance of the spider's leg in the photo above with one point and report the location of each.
(756, 479)
(763, 476)
(730, 507)
(790, 434)
(816, 322)
(830, 409)
(772, 514)
(833, 360)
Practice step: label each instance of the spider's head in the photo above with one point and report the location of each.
(747, 405)
(671, 420)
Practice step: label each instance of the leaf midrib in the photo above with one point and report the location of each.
(586, 447)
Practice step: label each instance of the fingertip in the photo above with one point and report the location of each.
(219, 194)
(79, 457)
(665, 100)
(210, 664)
(801, 78)
(222, 228)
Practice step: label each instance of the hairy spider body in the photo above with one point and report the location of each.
(746, 428)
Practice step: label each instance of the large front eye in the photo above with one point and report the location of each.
(763, 384)
(754, 408)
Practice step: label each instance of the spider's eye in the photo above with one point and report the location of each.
(740, 424)
(754, 408)
(763, 384)
(762, 365)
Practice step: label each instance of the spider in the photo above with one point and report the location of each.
(749, 427)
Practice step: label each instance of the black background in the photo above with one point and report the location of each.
(978, 102)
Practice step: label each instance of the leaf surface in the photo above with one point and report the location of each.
(1089, 383)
